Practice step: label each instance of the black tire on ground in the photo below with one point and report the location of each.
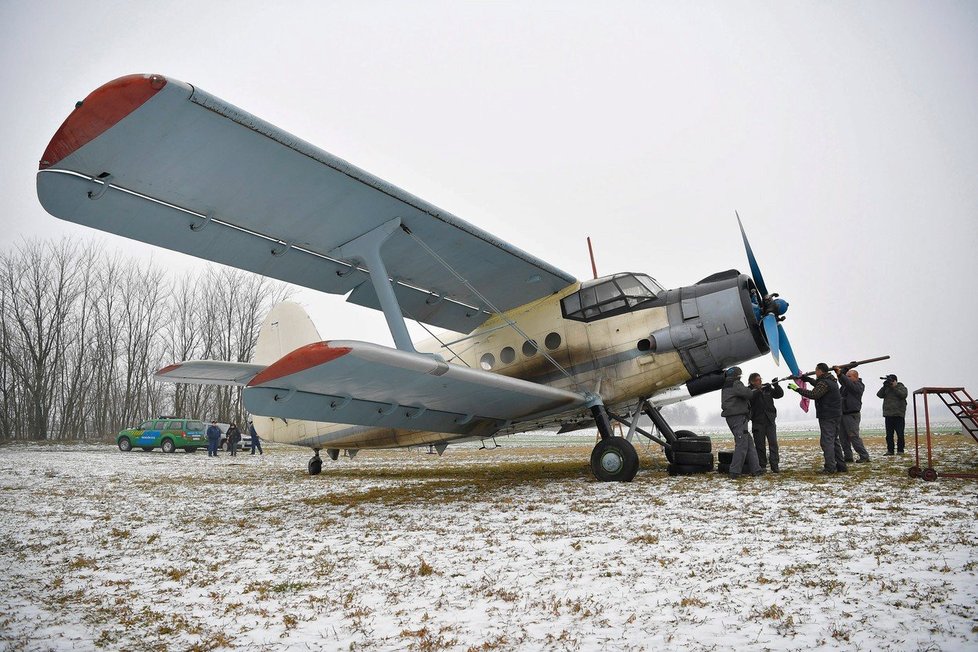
(668, 452)
(692, 446)
(693, 459)
(724, 457)
(315, 466)
(682, 469)
(614, 460)
(723, 468)
(689, 434)
(124, 444)
(167, 446)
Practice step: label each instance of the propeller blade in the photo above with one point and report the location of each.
(772, 332)
(754, 269)
(789, 355)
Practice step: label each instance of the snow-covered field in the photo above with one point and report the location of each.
(513, 548)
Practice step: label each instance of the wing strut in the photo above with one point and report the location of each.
(366, 249)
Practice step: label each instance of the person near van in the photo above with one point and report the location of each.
(234, 436)
(213, 439)
(255, 440)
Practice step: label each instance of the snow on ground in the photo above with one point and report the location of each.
(513, 548)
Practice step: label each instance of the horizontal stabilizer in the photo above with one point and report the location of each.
(209, 372)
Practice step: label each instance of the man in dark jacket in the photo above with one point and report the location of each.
(851, 388)
(255, 439)
(735, 408)
(234, 436)
(894, 395)
(213, 439)
(763, 415)
(828, 411)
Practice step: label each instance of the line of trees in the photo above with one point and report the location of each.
(82, 331)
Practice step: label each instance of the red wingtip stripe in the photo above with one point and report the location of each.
(102, 109)
(305, 357)
(168, 369)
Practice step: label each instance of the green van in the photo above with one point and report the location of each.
(167, 433)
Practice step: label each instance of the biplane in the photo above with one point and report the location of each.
(525, 346)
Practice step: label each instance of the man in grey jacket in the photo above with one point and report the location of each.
(828, 411)
(851, 388)
(735, 408)
(894, 395)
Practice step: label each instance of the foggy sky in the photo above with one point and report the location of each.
(844, 133)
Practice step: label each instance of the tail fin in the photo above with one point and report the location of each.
(285, 329)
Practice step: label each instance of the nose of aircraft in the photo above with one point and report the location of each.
(769, 309)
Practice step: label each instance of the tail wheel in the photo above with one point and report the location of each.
(315, 465)
(614, 460)
(124, 444)
(168, 446)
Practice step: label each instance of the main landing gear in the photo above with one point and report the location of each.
(613, 459)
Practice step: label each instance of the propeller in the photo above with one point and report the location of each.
(770, 310)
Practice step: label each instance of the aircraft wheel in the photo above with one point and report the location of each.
(614, 460)
(315, 465)
(914, 471)
(168, 446)
(125, 445)
(929, 474)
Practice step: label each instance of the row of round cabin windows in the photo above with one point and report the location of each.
(508, 354)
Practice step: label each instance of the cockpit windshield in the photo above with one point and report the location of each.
(610, 295)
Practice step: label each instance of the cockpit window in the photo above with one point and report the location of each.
(607, 296)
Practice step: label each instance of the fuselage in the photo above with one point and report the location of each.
(622, 337)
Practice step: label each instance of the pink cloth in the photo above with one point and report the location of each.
(805, 401)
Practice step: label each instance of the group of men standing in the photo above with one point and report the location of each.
(838, 407)
(214, 435)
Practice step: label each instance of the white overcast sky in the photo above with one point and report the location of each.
(845, 133)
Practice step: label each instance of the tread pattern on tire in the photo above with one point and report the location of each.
(725, 457)
(683, 458)
(690, 445)
(683, 469)
(723, 468)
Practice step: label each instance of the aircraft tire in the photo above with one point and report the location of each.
(614, 460)
(315, 466)
(724, 457)
(684, 458)
(692, 446)
(684, 469)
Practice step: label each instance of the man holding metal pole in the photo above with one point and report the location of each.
(851, 389)
(828, 411)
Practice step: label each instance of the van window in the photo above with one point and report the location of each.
(175, 425)
(159, 425)
(195, 425)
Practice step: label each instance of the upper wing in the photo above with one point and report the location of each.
(370, 385)
(182, 169)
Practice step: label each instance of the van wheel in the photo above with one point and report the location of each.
(168, 446)
(125, 445)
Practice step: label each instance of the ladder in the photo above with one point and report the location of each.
(962, 406)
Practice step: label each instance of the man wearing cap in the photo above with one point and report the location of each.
(735, 408)
(828, 411)
(894, 395)
(213, 439)
(851, 389)
(763, 417)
